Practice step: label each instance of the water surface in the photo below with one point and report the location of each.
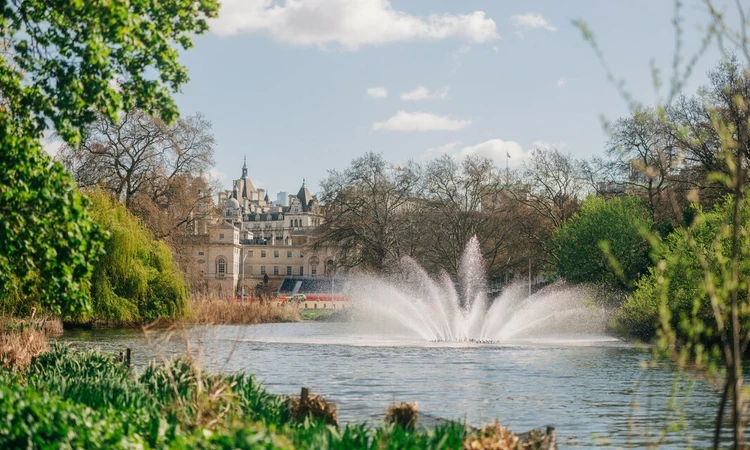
(585, 386)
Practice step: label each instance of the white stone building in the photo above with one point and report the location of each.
(253, 238)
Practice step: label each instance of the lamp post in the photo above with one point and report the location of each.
(242, 275)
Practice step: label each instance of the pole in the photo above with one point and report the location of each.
(507, 171)
(529, 276)
(242, 276)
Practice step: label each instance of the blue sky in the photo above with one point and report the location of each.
(304, 86)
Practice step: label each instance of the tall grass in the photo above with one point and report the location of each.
(18, 348)
(23, 339)
(211, 310)
(87, 399)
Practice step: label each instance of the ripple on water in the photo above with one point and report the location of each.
(580, 389)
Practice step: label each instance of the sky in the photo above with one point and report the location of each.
(301, 87)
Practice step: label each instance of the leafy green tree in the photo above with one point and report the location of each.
(47, 238)
(604, 242)
(61, 64)
(136, 279)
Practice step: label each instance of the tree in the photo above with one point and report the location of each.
(552, 185)
(644, 158)
(461, 200)
(139, 154)
(136, 279)
(64, 63)
(702, 124)
(154, 168)
(604, 242)
(367, 210)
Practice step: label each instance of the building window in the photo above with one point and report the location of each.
(275, 270)
(301, 270)
(200, 253)
(262, 270)
(250, 254)
(221, 237)
(288, 270)
(221, 266)
(301, 254)
(314, 271)
(275, 253)
(289, 254)
(262, 253)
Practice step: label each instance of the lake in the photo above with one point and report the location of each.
(592, 389)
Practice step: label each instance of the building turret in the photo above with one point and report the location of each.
(304, 196)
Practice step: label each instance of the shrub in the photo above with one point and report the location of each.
(679, 279)
(604, 242)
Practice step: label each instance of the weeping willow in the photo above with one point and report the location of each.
(136, 279)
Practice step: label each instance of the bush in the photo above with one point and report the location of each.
(678, 278)
(604, 242)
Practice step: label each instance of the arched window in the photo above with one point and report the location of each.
(221, 266)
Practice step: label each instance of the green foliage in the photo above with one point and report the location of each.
(47, 237)
(35, 419)
(86, 399)
(604, 242)
(65, 61)
(136, 279)
(61, 64)
(679, 279)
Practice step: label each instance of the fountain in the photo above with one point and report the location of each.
(438, 311)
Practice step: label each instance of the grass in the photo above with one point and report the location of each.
(325, 315)
(22, 340)
(87, 399)
(207, 310)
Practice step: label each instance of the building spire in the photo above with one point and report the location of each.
(244, 167)
(303, 182)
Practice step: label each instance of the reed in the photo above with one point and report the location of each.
(19, 347)
(210, 310)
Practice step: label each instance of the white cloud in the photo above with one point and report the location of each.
(420, 121)
(561, 82)
(377, 92)
(346, 24)
(524, 22)
(422, 93)
(496, 150)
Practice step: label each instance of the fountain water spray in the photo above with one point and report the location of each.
(435, 310)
